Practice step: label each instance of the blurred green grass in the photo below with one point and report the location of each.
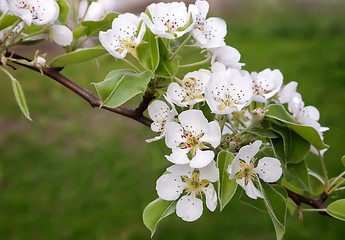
(82, 173)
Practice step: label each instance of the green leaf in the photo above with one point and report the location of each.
(276, 205)
(78, 56)
(343, 160)
(7, 20)
(18, 94)
(337, 209)
(317, 183)
(93, 27)
(64, 11)
(121, 85)
(297, 175)
(226, 187)
(296, 148)
(32, 29)
(278, 112)
(79, 32)
(262, 132)
(258, 203)
(156, 211)
(148, 52)
(166, 68)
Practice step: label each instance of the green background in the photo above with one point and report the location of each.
(82, 173)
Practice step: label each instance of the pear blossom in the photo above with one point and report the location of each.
(266, 84)
(208, 33)
(123, 37)
(96, 10)
(192, 184)
(188, 139)
(3, 6)
(192, 89)
(61, 35)
(38, 12)
(167, 20)
(228, 91)
(288, 92)
(160, 113)
(227, 55)
(245, 172)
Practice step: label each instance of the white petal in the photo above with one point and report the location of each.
(194, 121)
(311, 112)
(201, 158)
(247, 152)
(213, 33)
(176, 94)
(111, 43)
(158, 110)
(211, 197)
(173, 134)
(234, 167)
(189, 208)
(269, 169)
(227, 55)
(210, 172)
(169, 187)
(178, 156)
(181, 170)
(213, 135)
(62, 35)
(155, 138)
(251, 190)
(287, 92)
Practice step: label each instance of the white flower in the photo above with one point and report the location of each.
(208, 33)
(190, 136)
(192, 89)
(62, 35)
(38, 12)
(3, 6)
(227, 55)
(193, 184)
(266, 84)
(123, 37)
(228, 91)
(288, 92)
(96, 10)
(244, 171)
(167, 20)
(160, 113)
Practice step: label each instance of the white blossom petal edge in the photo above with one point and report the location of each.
(244, 171)
(62, 35)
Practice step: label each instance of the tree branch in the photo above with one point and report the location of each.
(93, 100)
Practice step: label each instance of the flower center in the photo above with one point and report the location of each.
(260, 88)
(128, 44)
(194, 184)
(192, 142)
(192, 89)
(25, 5)
(246, 172)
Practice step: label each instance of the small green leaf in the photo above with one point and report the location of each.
(33, 29)
(343, 160)
(258, 203)
(279, 113)
(7, 20)
(226, 187)
(262, 132)
(166, 68)
(148, 51)
(18, 94)
(93, 27)
(79, 32)
(276, 205)
(78, 56)
(64, 11)
(337, 209)
(121, 85)
(156, 211)
(317, 183)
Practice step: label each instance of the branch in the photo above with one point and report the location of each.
(92, 99)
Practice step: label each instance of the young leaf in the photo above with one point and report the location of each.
(262, 132)
(258, 203)
(297, 175)
(156, 211)
(279, 113)
(64, 11)
(276, 205)
(93, 27)
(337, 209)
(148, 51)
(7, 20)
(78, 56)
(18, 94)
(166, 68)
(226, 187)
(121, 85)
(343, 160)
(79, 32)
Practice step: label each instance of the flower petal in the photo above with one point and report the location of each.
(210, 172)
(173, 134)
(211, 197)
(181, 170)
(213, 135)
(62, 35)
(269, 169)
(178, 156)
(201, 158)
(251, 190)
(189, 208)
(176, 94)
(247, 152)
(169, 187)
(194, 121)
(158, 110)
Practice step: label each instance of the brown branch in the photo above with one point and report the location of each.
(93, 100)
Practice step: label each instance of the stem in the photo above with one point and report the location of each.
(324, 170)
(178, 50)
(336, 186)
(196, 63)
(336, 179)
